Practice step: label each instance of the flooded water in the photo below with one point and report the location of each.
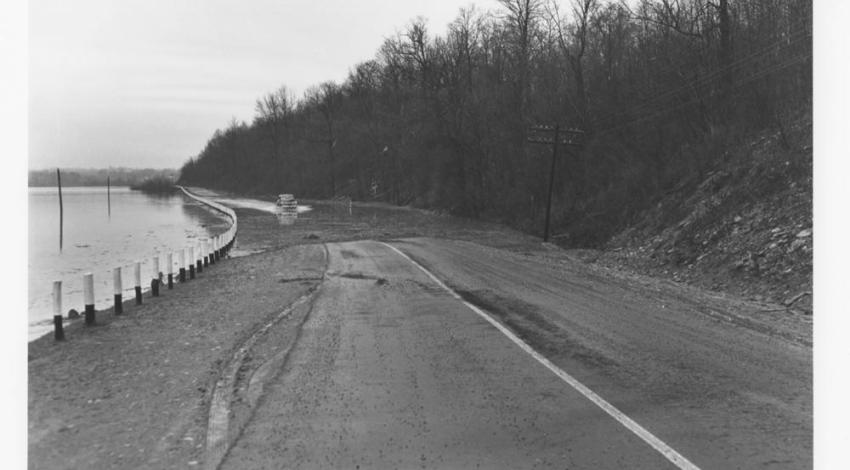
(97, 241)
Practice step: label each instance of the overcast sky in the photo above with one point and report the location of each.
(145, 83)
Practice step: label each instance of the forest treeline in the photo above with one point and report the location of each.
(660, 89)
(98, 176)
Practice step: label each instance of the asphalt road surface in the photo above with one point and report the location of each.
(391, 370)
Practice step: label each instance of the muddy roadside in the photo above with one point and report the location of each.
(133, 391)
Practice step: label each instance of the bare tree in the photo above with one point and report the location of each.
(573, 40)
(521, 18)
(327, 99)
(274, 111)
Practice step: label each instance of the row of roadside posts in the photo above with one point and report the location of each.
(191, 260)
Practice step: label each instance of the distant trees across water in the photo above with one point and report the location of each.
(97, 177)
(662, 89)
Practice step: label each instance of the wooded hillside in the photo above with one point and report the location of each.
(661, 89)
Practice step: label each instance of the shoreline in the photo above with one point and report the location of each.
(211, 221)
(133, 390)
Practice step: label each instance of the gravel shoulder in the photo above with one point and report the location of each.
(133, 391)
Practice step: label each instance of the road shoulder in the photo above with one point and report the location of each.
(134, 390)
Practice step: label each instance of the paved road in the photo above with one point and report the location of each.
(391, 371)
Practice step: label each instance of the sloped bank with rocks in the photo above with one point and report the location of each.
(744, 229)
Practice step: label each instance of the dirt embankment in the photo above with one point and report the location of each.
(744, 228)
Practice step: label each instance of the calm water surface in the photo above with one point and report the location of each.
(94, 241)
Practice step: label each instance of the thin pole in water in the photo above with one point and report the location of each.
(108, 198)
(61, 211)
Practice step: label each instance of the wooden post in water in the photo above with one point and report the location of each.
(108, 198)
(117, 290)
(198, 257)
(170, 259)
(61, 210)
(88, 296)
(157, 275)
(58, 331)
(137, 281)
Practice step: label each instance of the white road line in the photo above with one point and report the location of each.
(676, 458)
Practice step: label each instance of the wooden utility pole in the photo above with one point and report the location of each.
(553, 135)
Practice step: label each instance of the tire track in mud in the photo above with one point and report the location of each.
(222, 432)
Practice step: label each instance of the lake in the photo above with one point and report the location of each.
(97, 240)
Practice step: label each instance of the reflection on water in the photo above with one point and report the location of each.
(286, 218)
(256, 204)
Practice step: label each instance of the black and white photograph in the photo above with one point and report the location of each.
(409, 234)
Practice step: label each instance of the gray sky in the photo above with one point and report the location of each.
(145, 83)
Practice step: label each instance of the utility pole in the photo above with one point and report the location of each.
(554, 136)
